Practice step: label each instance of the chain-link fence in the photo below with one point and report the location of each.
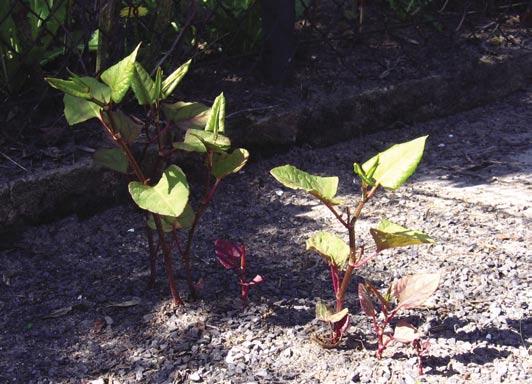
(52, 37)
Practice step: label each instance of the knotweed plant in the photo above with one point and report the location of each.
(389, 170)
(233, 256)
(159, 187)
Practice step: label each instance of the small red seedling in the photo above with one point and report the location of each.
(406, 293)
(233, 256)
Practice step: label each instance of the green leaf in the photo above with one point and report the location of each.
(168, 197)
(84, 87)
(184, 221)
(391, 235)
(395, 165)
(224, 164)
(129, 130)
(333, 249)
(142, 85)
(216, 119)
(324, 313)
(157, 95)
(366, 177)
(322, 187)
(114, 159)
(78, 110)
(186, 218)
(98, 90)
(70, 87)
(197, 140)
(94, 41)
(174, 79)
(134, 11)
(118, 77)
(191, 146)
(186, 115)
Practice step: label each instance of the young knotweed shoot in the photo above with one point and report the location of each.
(406, 293)
(388, 169)
(161, 190)
(233, 256)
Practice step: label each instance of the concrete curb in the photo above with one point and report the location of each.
(81, 187)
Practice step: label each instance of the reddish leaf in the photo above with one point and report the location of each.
(365, 301)
(247, 284)
(412, 291)
(341, 327)
(229, 254)
(405, 332)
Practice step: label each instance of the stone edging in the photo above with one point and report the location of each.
(81, 187)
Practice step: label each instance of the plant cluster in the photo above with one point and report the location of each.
(161, 189)
(388, 169)
(158, 187)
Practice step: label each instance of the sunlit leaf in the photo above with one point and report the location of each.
(324, 313)
(134, 11)
(174, 79)
(78, 110)
(84, 87)
(224, 164)
(412, 291)
(216, 119)
(118, 77)
(94, 41)
(197, 140)
(70, 87)
(113, 158)
(360, 172)
(391, 235)
(322, 187)
(395, 165)
(168, 197)
(143, 85)
(333, 249)
(186, 115)
(405, 332)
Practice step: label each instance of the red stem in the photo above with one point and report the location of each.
(108, 125)
(352, 242)
(201, 210)
(168, 265)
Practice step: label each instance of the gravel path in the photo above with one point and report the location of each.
(472, 193)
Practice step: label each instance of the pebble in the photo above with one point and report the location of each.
(194, 376)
